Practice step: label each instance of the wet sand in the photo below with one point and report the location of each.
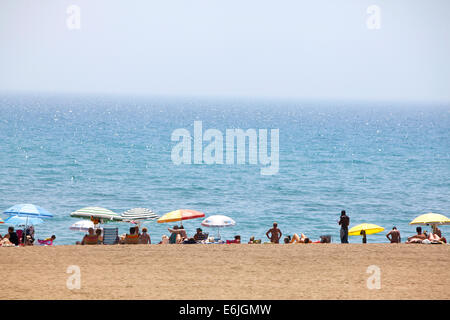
(265, 271)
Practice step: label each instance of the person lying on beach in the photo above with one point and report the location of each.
(394, 236)
(434, 238)
(438, 233)
(417, 238)
(275, 234)
(91, 238)
(144, 237)
(300, 239)
(237, 239)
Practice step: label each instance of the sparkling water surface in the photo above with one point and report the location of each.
(383, 163)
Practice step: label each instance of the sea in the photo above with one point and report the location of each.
(383, 162)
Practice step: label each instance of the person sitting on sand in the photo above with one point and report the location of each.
(98, 232)
(164, 239)
(29, 233)
(91, 238)
(12, 236)
(417, 238)
(237, 239)
(394, 236)
(144, 237)
(177, 235)
(300, 239)
(275, 234)
(251, 240)
(200, 236)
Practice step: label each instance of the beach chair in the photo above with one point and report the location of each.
(110, 235)
(131, 239)
(20, 236)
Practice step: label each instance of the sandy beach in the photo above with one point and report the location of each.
(330, 271)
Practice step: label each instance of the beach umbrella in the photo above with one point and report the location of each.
(82, 225)
(431, 219)
(368, 227)
(179, 215)
(218, 221)
(22, 221)
(28, 211)
(96, 215)
(137, 215)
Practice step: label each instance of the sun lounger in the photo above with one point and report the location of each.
(110, 235)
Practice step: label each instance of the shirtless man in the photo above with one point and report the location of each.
(417, 237)
(395, 235)
(275, 234)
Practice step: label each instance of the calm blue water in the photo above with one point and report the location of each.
(383, 163)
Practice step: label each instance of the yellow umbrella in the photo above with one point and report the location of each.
(368, 227)
(180, 214)
(431, 218)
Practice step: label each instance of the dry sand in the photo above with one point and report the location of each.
(313, 271)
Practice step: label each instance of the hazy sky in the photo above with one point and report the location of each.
(317, 49)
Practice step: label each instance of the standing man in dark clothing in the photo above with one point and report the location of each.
(344, 222)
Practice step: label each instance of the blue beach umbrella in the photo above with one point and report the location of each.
(28, 211)
(22, 221)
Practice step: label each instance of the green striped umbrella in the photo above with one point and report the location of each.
(96, 213)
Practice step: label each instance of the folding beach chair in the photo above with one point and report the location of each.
(110, 235)
(20, 236)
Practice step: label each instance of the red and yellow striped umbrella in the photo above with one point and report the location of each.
(180, 214)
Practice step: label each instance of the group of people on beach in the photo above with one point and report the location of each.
(22, 237)
(178, 235)
(435, 236)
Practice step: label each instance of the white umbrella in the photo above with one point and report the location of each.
(218, 221)
(82, 225)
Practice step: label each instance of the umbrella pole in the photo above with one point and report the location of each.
(24, 235)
